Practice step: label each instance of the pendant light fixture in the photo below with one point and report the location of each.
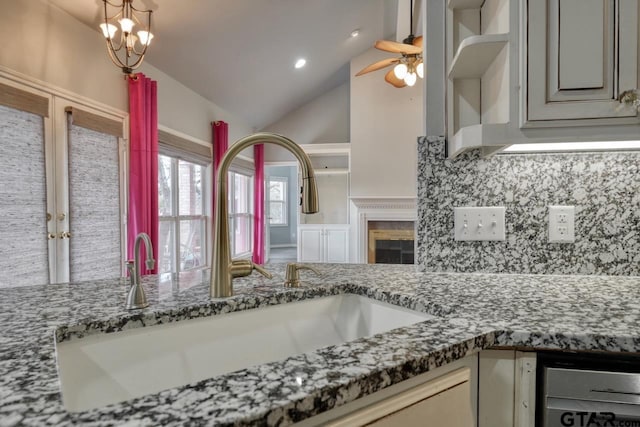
(125, 48)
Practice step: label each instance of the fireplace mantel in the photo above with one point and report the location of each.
(377, 209)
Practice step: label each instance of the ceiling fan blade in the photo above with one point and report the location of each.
(395, 47)
(391, 78)
(378, 65)
(417, 41)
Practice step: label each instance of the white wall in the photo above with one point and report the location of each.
(47, 44)
(182, 109)
(333, 193)
(385, 125)
(323, 120)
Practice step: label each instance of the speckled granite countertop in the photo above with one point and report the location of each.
(475, 311)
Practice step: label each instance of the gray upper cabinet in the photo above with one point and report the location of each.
(539, 71)
(581, 55)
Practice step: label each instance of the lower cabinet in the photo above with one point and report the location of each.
(444, 401)
(323, 243)
(493, 388)
(446, 396)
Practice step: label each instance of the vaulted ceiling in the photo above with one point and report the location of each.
(240, 54)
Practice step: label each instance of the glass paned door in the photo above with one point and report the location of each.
(24, 254)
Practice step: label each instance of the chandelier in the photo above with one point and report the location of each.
(127, 49)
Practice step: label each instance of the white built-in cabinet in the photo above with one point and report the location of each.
(523, 71)
(328, 243)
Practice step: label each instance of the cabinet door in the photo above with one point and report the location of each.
(337, 248)
(581, 55)
(450, 408)
(444, 401)
(310, 245)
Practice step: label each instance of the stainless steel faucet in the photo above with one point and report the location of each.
(136, 297)
(223, 269)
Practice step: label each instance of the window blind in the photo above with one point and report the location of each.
(94, 204)
(181, 148)
(95, 122)
(24, 253)
(24, 101)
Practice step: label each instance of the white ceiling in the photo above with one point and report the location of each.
(239, 54)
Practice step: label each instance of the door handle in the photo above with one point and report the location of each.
(65, 235)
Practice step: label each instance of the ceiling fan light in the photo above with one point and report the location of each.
(400, 71)
(410, 79)
(420, 69)
(108, 30)
(145, 37)
(126, 25)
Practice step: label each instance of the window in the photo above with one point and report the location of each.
(278, 200)
(240, 213)
(182, 215)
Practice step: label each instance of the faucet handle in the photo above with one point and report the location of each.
(244, 267)
(260, 269)
(292, 279)
(130, 269)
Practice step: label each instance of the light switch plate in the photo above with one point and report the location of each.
(483, 223)
(562, 224)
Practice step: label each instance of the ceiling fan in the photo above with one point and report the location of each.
(408, 67)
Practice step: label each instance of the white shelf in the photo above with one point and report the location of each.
(478, 136)
(465, 4)
(336, 149)
(475, 54)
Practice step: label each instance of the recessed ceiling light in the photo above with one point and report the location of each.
(300, 63)
(355, 33)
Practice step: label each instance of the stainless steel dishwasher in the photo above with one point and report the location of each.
(588, 390)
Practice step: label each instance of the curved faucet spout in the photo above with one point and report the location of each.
(221, 272)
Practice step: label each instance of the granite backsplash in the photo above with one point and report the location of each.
(603, 186)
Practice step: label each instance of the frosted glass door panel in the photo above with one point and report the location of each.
(24, 258)
(94, 205)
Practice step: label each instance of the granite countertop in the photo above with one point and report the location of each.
(474, 312)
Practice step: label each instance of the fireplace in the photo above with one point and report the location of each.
(390, 242)
(387, 220)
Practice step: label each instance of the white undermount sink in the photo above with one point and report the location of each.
(107, 368)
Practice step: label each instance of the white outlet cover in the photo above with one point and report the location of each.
(481, 223)
(562, 224)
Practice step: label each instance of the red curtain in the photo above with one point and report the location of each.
(220, 145)
(143, 164)
(258, 205)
